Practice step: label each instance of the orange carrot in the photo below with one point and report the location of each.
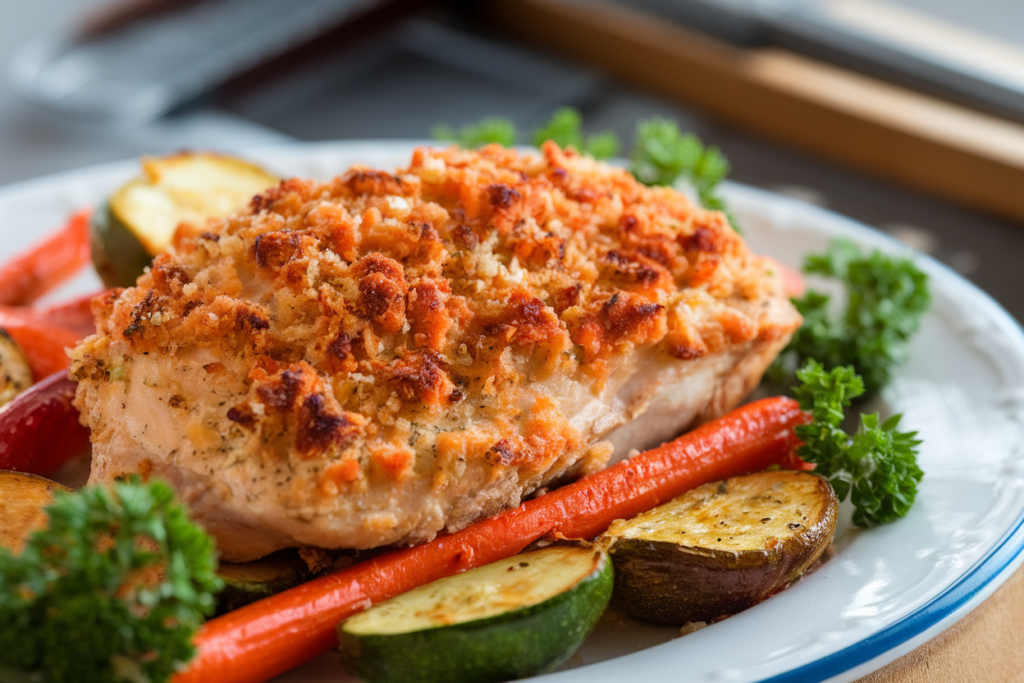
(267, 638)
(43, 344)
(29, 275)
(74, 315)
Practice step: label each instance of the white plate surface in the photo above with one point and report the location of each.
(885, 590)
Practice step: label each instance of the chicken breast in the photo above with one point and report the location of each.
(381, 357)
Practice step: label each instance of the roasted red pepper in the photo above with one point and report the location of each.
(43, 345)
(39, 429)
(75, 314)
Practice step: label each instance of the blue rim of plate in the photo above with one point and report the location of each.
(942, 606)
(961, 592)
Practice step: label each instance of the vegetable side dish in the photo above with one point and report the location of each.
(387, 357)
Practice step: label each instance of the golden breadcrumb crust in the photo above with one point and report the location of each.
(362, 323)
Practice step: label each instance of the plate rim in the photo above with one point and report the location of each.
(979, 581)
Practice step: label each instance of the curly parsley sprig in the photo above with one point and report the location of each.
(876, 467)
(564, 127)
(112, 590)
(663, 155)
(885, 299)
(485, 131)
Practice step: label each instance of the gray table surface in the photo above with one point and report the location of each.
(423, 71)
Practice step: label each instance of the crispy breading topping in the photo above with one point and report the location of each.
(376, 312)
(294, 400)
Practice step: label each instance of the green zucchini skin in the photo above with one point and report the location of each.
(247, 582)
(671, 569)
(515, 644)
(117, 254)
(139, 220)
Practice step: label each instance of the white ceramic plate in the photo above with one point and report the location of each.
(885, 590)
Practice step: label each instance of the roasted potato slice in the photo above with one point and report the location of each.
(722, 547)
(23, 498)
(15, 372)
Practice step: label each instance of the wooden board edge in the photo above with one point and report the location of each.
(924, 143)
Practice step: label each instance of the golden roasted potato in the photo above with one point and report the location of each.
(23, 498)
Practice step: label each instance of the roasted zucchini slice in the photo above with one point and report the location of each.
(246, 582)
(514, 618)
(15, 372)
(722, 547)
(23, 499)
(138, 221)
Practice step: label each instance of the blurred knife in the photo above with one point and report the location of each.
(142, 58)
(920, 43)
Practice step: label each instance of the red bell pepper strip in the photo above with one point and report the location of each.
(39, 429)
(32, 273)
(271, 636)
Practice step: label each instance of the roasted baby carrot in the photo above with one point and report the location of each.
(39, 429)
(74, 314)
(32, 273)
(269, 637)
(43, 344)
(44, 333)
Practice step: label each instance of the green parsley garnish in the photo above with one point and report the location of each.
(885, 298)
(566, 128)
(112, 590)
(487, 130)
(876, 466)
(663, 154)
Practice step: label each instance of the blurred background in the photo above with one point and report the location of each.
(904, 114)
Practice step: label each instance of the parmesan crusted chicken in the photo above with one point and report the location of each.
(381, 357)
